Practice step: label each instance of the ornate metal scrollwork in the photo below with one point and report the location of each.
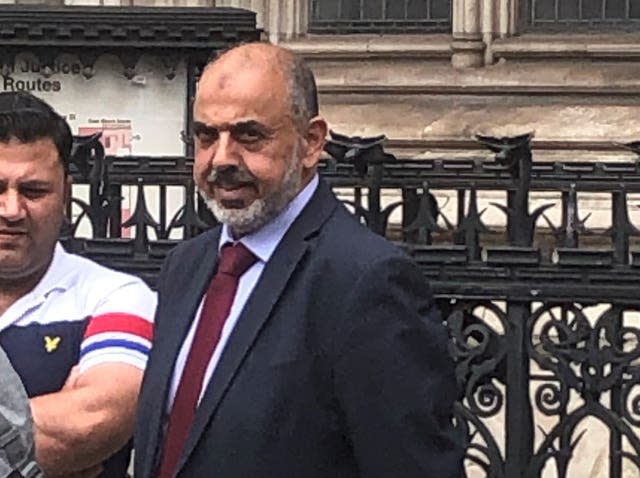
(531, 353)
(591, 356)
(479, 353)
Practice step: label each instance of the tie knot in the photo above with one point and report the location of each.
(235, 259)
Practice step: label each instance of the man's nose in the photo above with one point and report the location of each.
(226, 153)
(12, 206)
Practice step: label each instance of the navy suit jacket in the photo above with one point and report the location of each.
(337, 367)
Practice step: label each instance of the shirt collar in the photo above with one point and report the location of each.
(57, 276)
(263, 242)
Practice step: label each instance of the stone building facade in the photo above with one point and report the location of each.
(565, 69)
(431, 73)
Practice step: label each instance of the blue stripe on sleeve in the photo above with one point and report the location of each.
(122, 343)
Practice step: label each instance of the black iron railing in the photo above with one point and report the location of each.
(542, 303)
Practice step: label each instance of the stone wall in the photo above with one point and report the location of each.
(431, 93)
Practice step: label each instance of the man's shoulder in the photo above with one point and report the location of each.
(344, 251)
(349, 241)
(91, 274)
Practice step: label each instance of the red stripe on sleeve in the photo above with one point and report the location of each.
(120, 322)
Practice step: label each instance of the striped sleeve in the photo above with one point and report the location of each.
(116, 337)
(121, 330)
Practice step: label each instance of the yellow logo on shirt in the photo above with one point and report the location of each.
(51, 343)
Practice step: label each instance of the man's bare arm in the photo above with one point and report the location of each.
(88, 420)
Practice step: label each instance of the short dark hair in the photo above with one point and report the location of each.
(304, 93)
(27, 118)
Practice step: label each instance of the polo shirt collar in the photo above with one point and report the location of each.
(57, 277)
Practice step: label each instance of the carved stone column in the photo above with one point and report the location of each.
(467, 45)
(507, 17)
(281, 19)
(287, 19)
(499, 20)
(258, 6)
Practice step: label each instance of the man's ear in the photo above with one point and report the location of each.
(314, 141)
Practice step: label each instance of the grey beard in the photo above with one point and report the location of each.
(251, 218)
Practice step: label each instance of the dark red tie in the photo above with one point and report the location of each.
(234, 261)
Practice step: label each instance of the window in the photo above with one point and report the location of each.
(568, 14)
(380, 16)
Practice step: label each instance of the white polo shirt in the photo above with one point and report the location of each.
(79, 313)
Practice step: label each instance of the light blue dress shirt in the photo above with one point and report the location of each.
(262, 243)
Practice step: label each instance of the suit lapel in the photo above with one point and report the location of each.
(183, 294)
(257, 310)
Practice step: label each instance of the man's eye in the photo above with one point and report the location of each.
(205, 135)
(34, 193)
(207, 138)
(248, 135)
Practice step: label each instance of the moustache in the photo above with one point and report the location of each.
(231, 177)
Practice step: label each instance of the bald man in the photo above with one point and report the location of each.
(290, 341)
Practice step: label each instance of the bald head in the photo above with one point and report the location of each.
(283, 75)
(258, 136)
